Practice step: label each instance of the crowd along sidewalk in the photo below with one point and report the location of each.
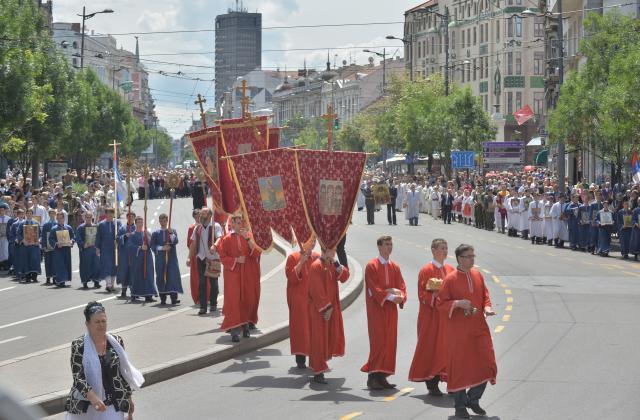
(169, 345)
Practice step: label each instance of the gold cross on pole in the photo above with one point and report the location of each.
(244, 101)
(330, 117)
(199, 102)
(115, 197)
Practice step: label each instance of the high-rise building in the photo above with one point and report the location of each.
(238, 47)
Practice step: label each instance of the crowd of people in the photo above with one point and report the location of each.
(530, 205)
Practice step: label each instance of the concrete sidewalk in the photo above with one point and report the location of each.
(169, 345)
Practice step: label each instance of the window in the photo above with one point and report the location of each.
(510, 2)
(474, 69)
(424, 48)
(498, 30)
(485, 100)
(440, 42)
(468, 10)
(509, 103)
(518, 20)
(481, 35)
(486, 67)
(463, 34)
(469, 72)
(468, 37)
(518, 63)
(510, 27)
(461, 68)
(433, 51)
(419, 50)
(518, 100)
(475, 32)
(538, 27)
(538, 63)
(452, 43)
(519, 2)
(509, 63)
(538, 103)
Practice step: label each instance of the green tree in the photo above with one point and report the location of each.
(164, 146)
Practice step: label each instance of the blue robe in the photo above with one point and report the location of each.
(624, 233)
(635, 233)
(17, 257)
(173, 282)
(604, 233)
(140, 285)
(570, 213)
(89, 260)
(11, 238)
(30, 254)
(48, 252)
(62, 255)
(594, 208)
(124, 262)
(106, 244)
(584, 228)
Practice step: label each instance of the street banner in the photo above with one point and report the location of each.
(206, 148)
(270, 196)
(56, 169)
(523, 115)
(329, 182)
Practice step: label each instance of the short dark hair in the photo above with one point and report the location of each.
(92, 307)
(383, 239)
(437, 242)
(462, 248)
(195, 212)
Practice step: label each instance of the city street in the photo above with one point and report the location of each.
(565, 333)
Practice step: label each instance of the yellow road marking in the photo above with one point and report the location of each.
(509, 300)
(609, 268)
(519, 247)
(503, 285)
(550, 254)
(499, 328)
(588, 263)
(629, 272)
(506, 318)
(496, 279)
(486, 271)
(398, 394)
(352, 415)
(507, 291)
(567, 258)
(508, 308)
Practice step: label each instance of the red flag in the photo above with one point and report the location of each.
(523, 114)
(329, 182)
(206, 144)
(271, 196)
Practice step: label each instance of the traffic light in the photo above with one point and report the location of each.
(336, 123)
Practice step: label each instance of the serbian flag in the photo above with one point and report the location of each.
(206, 148)
(271, 196)
(329, 182)
(635, 168)
(523, 114)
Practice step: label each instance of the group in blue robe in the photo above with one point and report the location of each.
(604, 233)
(584, 227)
(11, 239)
(61, 260)
(48, 251)
(571, 214)
(124, 262)
(106, 244)
(141, 285)
(594, 229)
(16, 250)
(624, 231)
(168, 282)
(30, 254)
(89, 260)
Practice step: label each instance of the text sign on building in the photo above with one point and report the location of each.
(498, 154)
(462, 160)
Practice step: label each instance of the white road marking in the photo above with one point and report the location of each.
(12, 339)
(35, 318)
(8, 288)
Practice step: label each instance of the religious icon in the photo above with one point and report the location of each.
(535, 212)
(381, 194)
(211, 163)
(626, 220)
(271, 193)
(330, 197)
(584, 219)
(244, 148)
(547, 211)
(63, 238)
(30, 233)
(38, 219)
(606, 218)
(90, 233)
(434, 284)
(3, 230)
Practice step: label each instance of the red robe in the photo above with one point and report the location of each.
(241, 281)
(327, 337)
(193, 270)
(430, 357)
(298, 301)
(471, 360)
(382, 315)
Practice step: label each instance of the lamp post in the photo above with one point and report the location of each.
(383, 54)
(85, 17)
(406, 42)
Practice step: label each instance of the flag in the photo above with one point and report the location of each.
(329, 182)
(206, 148)
(523, 115)
(635, 168)
(121, 186)
(270, 196)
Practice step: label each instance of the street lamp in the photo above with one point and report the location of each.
(383, 54)
(85, 17)
(410, 61)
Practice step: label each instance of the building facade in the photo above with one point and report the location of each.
(238, 47)
(493, 47)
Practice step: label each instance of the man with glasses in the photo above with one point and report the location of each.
(464, 302)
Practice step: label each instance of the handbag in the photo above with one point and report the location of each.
(213, 268)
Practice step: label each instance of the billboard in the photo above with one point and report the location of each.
(499, 155)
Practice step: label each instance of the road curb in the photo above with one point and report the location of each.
(53, 403)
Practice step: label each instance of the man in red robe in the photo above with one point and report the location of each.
(240, 258)
(385, 291)
(325, 315)
(191, 262)
(430, 358)
(464, 302)
(297, 271)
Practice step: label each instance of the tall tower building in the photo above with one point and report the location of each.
(238, 47)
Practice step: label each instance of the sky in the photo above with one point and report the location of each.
(174, 97)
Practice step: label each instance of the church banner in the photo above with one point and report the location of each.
(206, 147)
(274, 137)
(271, 197)
(329, 182)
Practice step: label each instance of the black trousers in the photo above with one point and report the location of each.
(371, 210)
(391, 212)
(446, 213)
(202, 286)
(341, 253)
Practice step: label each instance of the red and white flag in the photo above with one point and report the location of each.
(523, 115)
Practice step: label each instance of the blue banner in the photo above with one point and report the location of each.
(462, 160)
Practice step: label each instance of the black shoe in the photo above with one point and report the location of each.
(202, 311)
(245, 332)
(123, 294)
(386, 383)
(252, 326)
(175, 302)
(235, 338)
(462, 413)
(48, 280)
(96, 285)
(85, 286)
(374, 384)
(149, 299)
(319, 379)
(213, 309)
(163, 301)
(475, 407)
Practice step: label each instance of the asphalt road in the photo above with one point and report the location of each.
(565, 335)
(36, 317)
